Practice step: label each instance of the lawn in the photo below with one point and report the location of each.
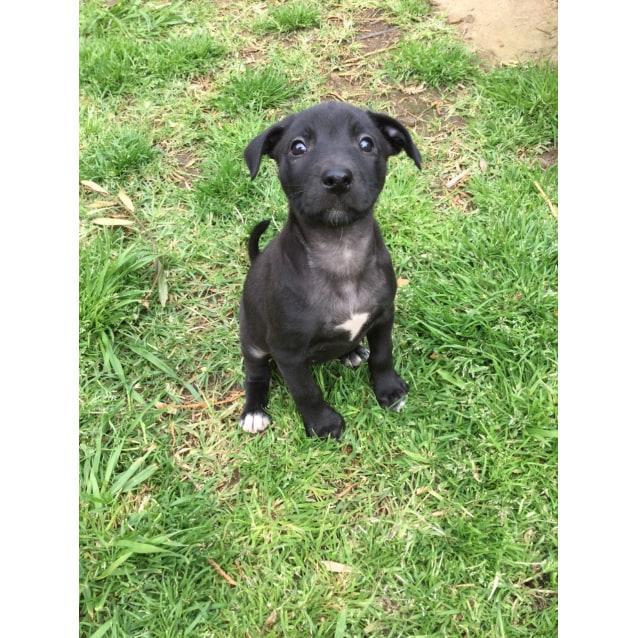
(440, 520)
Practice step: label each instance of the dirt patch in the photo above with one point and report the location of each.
(374, 33)
(506, 31)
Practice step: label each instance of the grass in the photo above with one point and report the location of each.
(258, 89)
(287, 18)
(518, 107)
(132, 44)
(113, 65)
(438, 521)
(439, 63)
(117, 152)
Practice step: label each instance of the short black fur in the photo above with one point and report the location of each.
(325, 282)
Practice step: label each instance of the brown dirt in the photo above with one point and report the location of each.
(501, 32)
(506, 31)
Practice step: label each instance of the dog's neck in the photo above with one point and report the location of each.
(341, 252)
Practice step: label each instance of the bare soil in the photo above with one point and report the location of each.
(501, 32)
(506, 31)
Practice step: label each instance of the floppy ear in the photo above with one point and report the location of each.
(264, 144)
(397, 135)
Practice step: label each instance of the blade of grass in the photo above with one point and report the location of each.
(165, 368)
(127, 480)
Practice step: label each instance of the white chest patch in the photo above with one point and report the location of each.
(354, 324)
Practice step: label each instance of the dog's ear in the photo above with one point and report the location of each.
(263, 144)
(397, 135)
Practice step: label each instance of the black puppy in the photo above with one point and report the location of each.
(326, 281)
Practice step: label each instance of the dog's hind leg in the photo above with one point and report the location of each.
(257, 386)
(355, 358)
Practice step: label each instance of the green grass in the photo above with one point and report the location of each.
(518, 107)
(258, 89)
(112, 289)
(134, 44)
(117, 152)
(408, 10)
(114, 65)
(444, 514)
(441, 62)
(289, 17)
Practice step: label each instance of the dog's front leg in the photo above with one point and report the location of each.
(389, 388)
(318, 417)
(257, 385)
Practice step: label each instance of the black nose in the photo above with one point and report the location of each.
(337, 180)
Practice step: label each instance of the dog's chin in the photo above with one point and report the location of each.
(334, 217)
(334, 212)
(338, 217)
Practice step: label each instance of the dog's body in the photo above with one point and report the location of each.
(326, 281)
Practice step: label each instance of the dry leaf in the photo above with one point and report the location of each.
(94, 187)
(126, 201)
(337, 568)
(547, 200)
(222, 573)
(344, 491)
(402, 282)
(483, 165)
(101, 203)
(475, 473)
(270, 622)
(112, 221)
(451, 183)
(162, 285)
(494, 586)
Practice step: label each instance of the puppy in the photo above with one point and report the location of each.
(326, 281)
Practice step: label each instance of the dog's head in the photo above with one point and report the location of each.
(332, 160)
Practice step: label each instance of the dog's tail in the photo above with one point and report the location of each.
(253, 240)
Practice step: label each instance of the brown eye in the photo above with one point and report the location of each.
(366, 144)
(298, 147)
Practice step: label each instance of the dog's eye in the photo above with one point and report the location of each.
(366, 144)
(298, 147)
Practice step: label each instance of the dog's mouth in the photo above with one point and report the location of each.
(337, 213)
(338, 217)
(332, 210)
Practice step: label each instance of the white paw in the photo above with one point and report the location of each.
(399, 405)
(254, 422)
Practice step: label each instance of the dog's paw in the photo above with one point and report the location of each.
(329, 424)
(400, 404)
(355, 358)
(254, 422)
(391, 391)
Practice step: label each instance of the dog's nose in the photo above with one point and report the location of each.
(337, 180)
